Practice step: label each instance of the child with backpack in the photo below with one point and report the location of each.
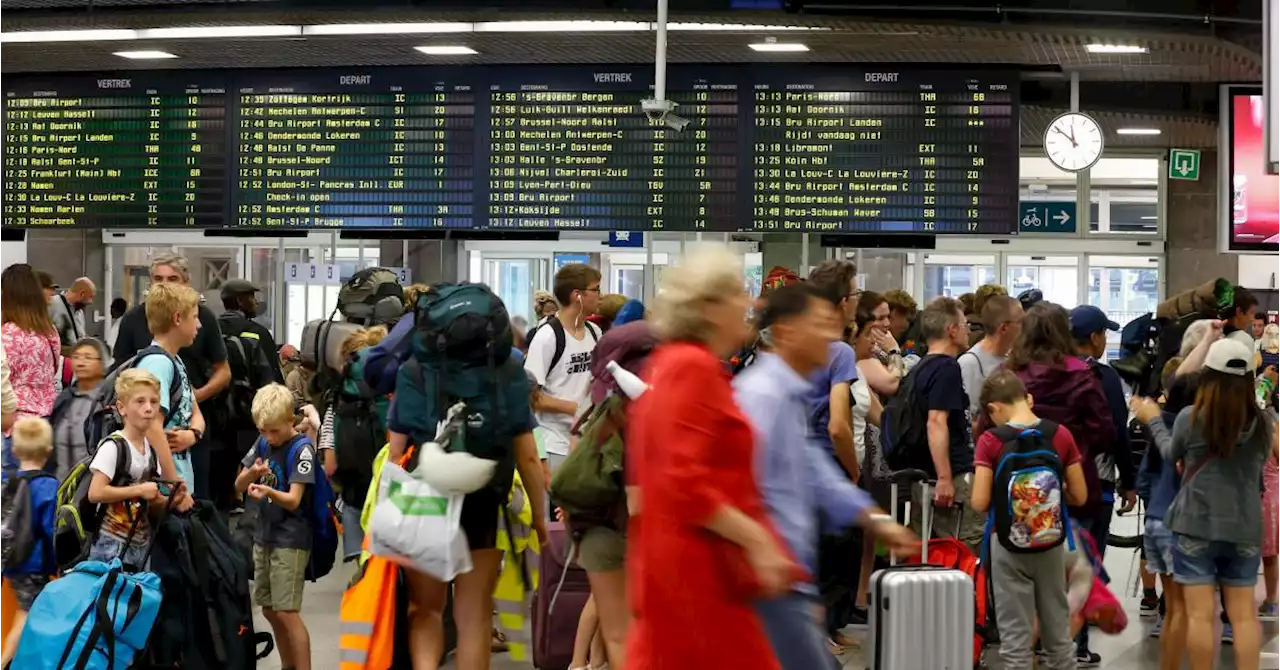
(279, 468)
(1027, 471)
(128, 492)
(28, 551)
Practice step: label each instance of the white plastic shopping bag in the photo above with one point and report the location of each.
(417, 526)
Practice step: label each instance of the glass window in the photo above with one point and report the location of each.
(954, 275)
(1126, 197)
(1125, 287)
(1055, 276)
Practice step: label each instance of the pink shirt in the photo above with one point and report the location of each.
(33, 373)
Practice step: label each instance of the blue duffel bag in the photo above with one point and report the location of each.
(96, 617)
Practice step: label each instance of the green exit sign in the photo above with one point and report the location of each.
(1184, 164)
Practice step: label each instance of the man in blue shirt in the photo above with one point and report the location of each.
(802, 486)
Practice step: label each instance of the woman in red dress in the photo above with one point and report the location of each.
(700, 545)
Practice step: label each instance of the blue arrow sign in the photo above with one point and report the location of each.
(1047, 217)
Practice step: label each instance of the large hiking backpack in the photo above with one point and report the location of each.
(95, 617)
(251, 369)
(557, 330)
(1028, 504)
(104, 419)
(588, 485)
(19, 529)
(358, 432)
(372, 296)
(77, 519)
(462, 353)
(904, 436)
(317, 505)
(206, 619)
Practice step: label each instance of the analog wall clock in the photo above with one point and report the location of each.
(1073, 141)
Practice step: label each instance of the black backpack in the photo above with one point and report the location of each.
(206, 619)
(1029, 491)
(20, 530)
(251, 369)
(557, 329)
(904, 435)
(358, 435)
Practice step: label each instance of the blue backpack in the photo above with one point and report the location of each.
(95, 617)
(317, 505)
(1029, 491)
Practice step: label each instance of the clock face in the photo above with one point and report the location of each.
(1073, 142)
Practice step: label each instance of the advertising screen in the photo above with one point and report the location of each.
(1252, 211)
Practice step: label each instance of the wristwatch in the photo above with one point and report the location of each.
(198, 433)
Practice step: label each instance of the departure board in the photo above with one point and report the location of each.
(574, 150)
(134, 150)
(819, 148)
(382, 149)
(910, 152)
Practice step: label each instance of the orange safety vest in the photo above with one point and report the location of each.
(368, 618)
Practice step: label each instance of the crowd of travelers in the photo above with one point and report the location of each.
(754, 441)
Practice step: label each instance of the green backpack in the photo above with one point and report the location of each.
(589, 485)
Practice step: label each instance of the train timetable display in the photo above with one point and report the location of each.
(885, 151)
(572, 149)
(116, 151)
(382, 149)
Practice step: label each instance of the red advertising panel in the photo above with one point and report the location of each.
(1253, 213)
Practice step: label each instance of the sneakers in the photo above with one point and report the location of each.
(1228, 635)
(1157, 628)
(1268, 611)
(1149, 606)
(1087, 659)
(858, 616)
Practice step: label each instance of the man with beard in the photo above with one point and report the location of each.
(67, 310)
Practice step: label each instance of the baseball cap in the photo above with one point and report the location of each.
(1229, 356)
(1087, 320)
(238, 287)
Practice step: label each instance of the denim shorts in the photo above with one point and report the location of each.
(1157, 543)
(1198, 562)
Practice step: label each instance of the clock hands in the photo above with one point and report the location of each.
(1071, 138)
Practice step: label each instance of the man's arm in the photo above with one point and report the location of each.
(213, 350)
(940, 452)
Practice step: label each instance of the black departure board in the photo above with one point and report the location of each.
(571, 149)
(821, 148)
(382, 149)
(134, 150)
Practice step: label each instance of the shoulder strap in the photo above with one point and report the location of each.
(1186, 479)
(122, 459)
(1006, 433)
(71, 315)
(594, 330)
(557, 329)
(981, 369)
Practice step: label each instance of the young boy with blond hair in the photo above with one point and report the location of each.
(282, 541)
(32, 447)
(173, 317)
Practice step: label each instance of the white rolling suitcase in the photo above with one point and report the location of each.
(921, 616)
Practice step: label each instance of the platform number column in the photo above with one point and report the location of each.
(927, 162)
(977, 163)
(151, 150)
(395, 159)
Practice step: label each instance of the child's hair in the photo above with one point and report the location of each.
(365, 337)
(272, 406)
(412, 293)
(1002, 387)
(166, 300)
(32, 439)
(129, 381)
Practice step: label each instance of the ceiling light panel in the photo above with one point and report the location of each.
(562, 26)
(29, 36)
(207, 32)
(145, 55)
(738, 27)
(790, 47)
(1116, 49)
(446, 50)
(433, 28)
(1137, 131)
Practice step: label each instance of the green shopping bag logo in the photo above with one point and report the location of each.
(411, 504)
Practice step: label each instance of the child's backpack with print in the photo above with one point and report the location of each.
(19, 529)
(317, 506)
(77, 519)
(1028, 495)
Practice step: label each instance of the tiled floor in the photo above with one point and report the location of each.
(1132, 650)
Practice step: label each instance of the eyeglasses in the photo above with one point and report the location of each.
(85, 357)
(591, 290)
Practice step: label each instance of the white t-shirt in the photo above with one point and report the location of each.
(105, 460)
(861, 406)
(1243, 337)
(569, 380)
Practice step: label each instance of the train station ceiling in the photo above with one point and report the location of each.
(1043, 52)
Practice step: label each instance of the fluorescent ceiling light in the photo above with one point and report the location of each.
(67, 36)
(145, 55)
(198, 32)
(778, 46)
(1148, 218)
(1137, 131)
(718, 27)
(388, 28)
(1116, 49)
(446, 50)
(562, 26)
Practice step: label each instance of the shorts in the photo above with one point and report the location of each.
(602, 549)
(1198, 562)
(278, 577)
(480, 512)
(352, 532)
(108, 547)
(26, 588)
(1157, 542)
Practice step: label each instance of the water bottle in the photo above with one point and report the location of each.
(630, 384)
